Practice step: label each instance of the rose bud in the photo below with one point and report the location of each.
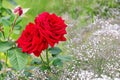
(18, 10)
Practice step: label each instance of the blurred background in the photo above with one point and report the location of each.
(84, 9)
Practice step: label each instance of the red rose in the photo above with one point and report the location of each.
(31, 41)
(51, 27)
(47, 30)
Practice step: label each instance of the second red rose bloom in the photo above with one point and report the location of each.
(48, 29)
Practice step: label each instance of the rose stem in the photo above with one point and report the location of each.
(42, 59)
(13, 26)
(47, 57)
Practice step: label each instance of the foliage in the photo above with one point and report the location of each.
(17, 59)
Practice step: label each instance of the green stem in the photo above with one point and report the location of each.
(11, 30)
(42, 59)
(47, 58)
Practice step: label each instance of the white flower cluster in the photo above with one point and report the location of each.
(97, 51)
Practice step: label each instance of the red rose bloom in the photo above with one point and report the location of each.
(47, 30)
(51, 27)
(31, 41)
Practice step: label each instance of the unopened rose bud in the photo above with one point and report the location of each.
(18, 10)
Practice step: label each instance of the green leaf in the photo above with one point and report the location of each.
(12, 17)
(0, 66)
(5, 21)
(65, 58)
(3, 9)
(6, 31)
(8, 11)
(55, 51)
(16, 31)
(44, 67)
(17, 27)
(57, 62)
(6, 45)
(18, 20)
(27, 74)
(17, 59)
(36, 61)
